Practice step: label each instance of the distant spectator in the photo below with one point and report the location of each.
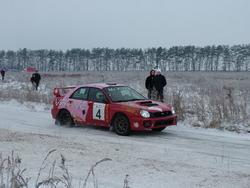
(3, 73)
(159, 83)
(149, 84)
(35, 79)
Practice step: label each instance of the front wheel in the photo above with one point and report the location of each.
(121, 125)
(158, 129)
(64, 118)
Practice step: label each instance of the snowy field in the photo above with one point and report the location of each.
(181, 156)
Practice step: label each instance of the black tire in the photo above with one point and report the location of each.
(64, 118)
(121, 125)
(158, 129)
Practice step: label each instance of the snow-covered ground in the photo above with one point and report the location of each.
(181, 156)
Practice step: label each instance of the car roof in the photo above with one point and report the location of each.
(102, 85)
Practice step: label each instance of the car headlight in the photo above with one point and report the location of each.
(145, 113)
(172, 110)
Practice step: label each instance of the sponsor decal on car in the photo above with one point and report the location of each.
(106, 113)
(131, 109)
(136, 125)
(77, 118)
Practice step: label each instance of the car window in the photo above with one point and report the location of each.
(97, 95)
(81, 93)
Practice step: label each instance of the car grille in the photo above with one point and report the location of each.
(164, 122)
(161, 114)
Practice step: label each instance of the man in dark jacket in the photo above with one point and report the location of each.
(35, 79)
(159, 83)
(149, 83)
(3, 73)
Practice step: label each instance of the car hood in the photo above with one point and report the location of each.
(149, 105)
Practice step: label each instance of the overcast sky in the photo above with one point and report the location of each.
(67, 24)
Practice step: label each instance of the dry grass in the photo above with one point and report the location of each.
(11, 173)
(12, 176)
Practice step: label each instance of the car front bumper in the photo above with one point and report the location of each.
(139, 123)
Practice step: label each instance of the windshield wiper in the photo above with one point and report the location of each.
(129, 100)
(121, 101)
(135, 99)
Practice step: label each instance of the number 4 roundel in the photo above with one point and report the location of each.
(99, 111)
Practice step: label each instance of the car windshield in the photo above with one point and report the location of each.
(123, 94)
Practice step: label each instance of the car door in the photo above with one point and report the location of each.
(78, 105)
(98, 107)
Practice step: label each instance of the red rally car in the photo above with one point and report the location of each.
(110, 105)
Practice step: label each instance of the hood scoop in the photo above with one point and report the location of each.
(148, 103)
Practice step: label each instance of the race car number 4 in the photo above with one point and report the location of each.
(98, 111)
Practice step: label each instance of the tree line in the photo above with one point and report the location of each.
(176, 58)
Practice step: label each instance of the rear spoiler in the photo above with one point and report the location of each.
(57, 90)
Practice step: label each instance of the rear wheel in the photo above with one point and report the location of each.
(64, 118)
(158, 129)
(121, 125)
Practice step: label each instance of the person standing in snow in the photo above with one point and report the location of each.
(3, 73)
(159, 83)
(149, 84)
(35, 79)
